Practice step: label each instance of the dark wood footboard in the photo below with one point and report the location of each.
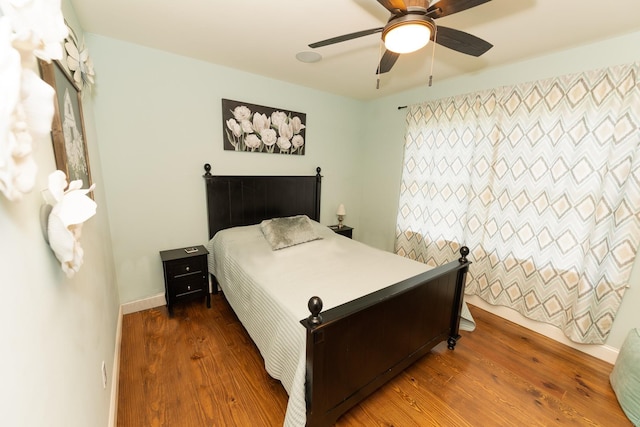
(355, 348)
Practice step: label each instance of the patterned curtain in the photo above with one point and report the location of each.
(542, 182)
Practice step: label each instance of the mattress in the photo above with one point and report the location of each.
(269, 291)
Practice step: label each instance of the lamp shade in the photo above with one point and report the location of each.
(341, 210)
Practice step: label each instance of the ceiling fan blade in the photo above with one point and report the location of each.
(345, 37)
(387, 61)
(449, 7)
(394, 6)
(461, 41)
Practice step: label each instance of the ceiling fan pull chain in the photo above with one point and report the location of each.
(379, 65)
(433, 55)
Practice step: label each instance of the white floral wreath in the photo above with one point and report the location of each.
(28, 29)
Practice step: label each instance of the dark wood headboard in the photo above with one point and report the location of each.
(245, 200)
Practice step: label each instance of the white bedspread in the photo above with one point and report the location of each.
(269, 291)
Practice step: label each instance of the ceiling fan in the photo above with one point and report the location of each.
(411, 26)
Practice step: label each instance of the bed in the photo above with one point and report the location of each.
(333, 318)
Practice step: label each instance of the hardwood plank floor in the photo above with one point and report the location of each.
(200, 368)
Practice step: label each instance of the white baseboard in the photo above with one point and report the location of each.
(115, 373)
(600, 351)
(143, 304)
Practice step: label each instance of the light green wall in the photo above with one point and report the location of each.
(158, 117)
(384, 132)
(159, 120)
(56, 331)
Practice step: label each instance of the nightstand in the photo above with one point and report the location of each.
(345, 230)
(186, 275)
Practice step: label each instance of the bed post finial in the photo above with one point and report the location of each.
(315, 307)
(464, 251)
(207, 169)
(318, 171)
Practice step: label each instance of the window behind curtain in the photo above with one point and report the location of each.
(542, 182)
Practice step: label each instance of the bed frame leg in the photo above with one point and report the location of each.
(214, 284)
(451, 342)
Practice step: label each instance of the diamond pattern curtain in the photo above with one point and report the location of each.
(542, 182)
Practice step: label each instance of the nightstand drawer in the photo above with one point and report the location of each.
(186, 286)
(185, 267)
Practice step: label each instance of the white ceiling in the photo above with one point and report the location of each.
(263, 36)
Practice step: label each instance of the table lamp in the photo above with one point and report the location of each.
(341, 213)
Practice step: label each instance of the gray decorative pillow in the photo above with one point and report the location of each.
(284, 232)
(625, 377)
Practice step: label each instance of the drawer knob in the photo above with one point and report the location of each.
(187, 268)
(188, 287)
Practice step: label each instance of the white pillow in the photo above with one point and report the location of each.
(289, 231)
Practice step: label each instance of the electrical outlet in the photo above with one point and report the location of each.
(104, 375)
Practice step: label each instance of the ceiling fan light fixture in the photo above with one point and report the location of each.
(407, 33)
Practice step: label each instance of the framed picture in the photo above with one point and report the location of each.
(67, 129)
(260, 129)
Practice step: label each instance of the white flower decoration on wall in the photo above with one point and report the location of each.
(70, 210)
(78, 61)
(255, 128)
(28, 29)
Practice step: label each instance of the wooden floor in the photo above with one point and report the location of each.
(200, 368)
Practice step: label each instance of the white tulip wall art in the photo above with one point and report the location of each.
(260, 129)
(28, 30)
(71, 208)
